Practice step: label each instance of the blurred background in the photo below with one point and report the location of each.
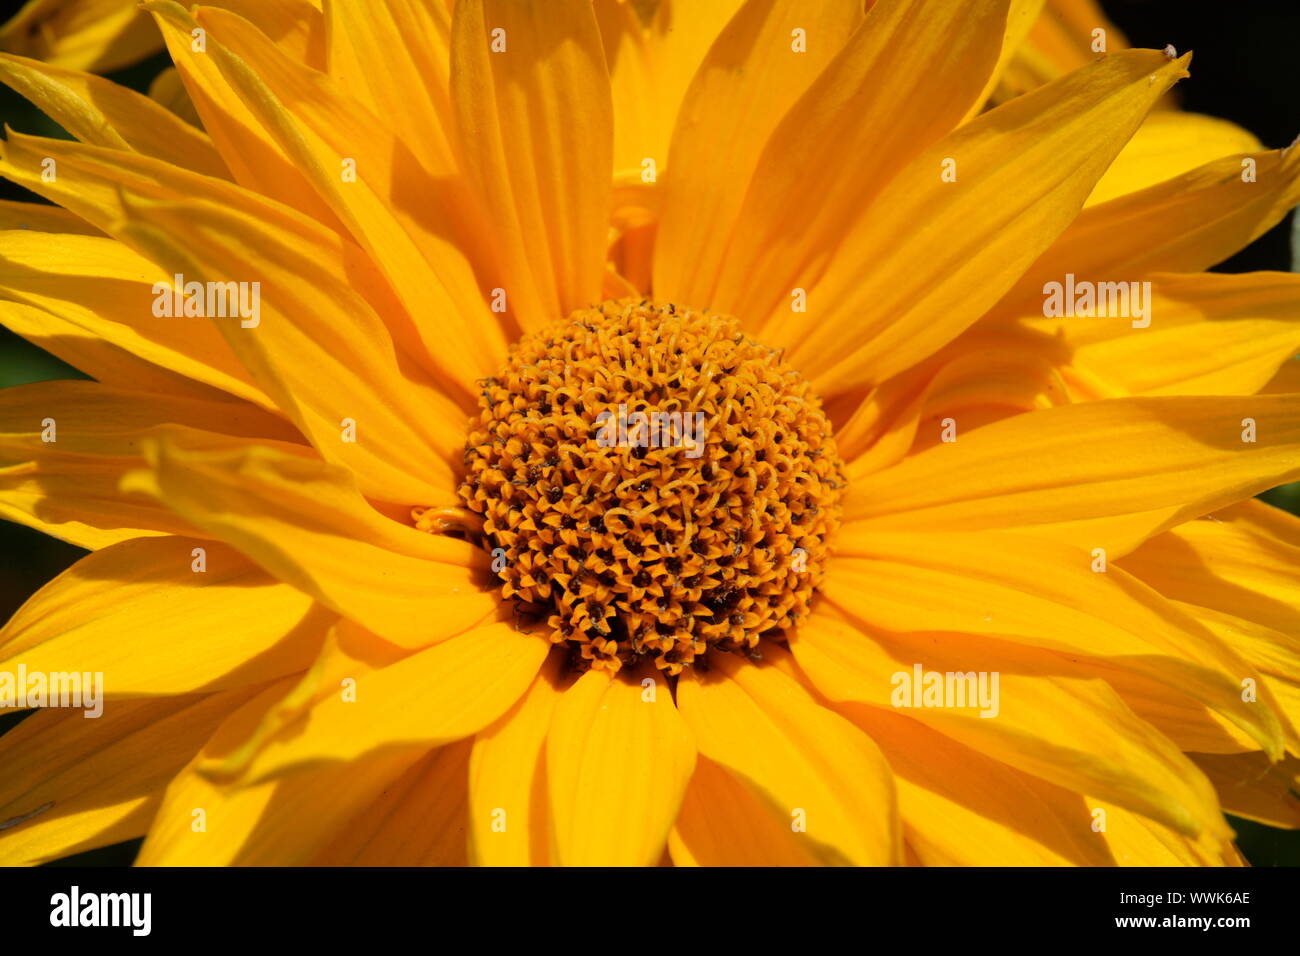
(1245, 69)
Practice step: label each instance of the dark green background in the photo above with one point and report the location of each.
(1245, 69)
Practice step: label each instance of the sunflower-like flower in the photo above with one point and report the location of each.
(617, 433)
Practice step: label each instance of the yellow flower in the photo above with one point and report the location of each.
(951, 568)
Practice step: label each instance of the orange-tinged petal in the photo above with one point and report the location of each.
(724, 823)
(421, 819)
(811, 767)
(531, 98)
(1168, 144)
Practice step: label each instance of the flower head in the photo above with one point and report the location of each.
(585, 433)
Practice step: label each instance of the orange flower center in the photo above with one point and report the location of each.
(655, 481)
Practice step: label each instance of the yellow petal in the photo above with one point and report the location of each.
(508, 810)
(1162, 459)
(395, 58)
(101, 113)
(930, 256)
(618, 757)
(65, 446)
(298, 27)
(318, 348)
(1168, 144)
(1010, 584)
(433, 697)
(723, 823)
(962, 808)
(41, 217)
(280, 823)
(810, 766)
(69, 784)
(154, 621)
(253, 157)
(421, 246)
(751, 76)
(650, 67)
(113, 189)
(169, 91)
(95, 357)
(421, 819)
(1209, 334)
(1135, 840)
(98, 286)
(1251, 786)
(305, 522)
(903, 80)
(1184, 224)
(1075, 733)
(536, 125)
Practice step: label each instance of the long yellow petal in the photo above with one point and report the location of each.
(618, 758)
(100, 287)
(769, 53)
(99, 112)
(1073, 732)
(68, 783)
(412, 221)
(934, 253)
(199, 616)
(305, 522)
(509, 815)
(1184, 224)
(1010, 584)
(283, 822)
(903, 80)
(253, 157)
(1168, 144)
(1162, 459)
(962, 808)
(531, 97)
(65, 446)
(433, 697)
(96, 35)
